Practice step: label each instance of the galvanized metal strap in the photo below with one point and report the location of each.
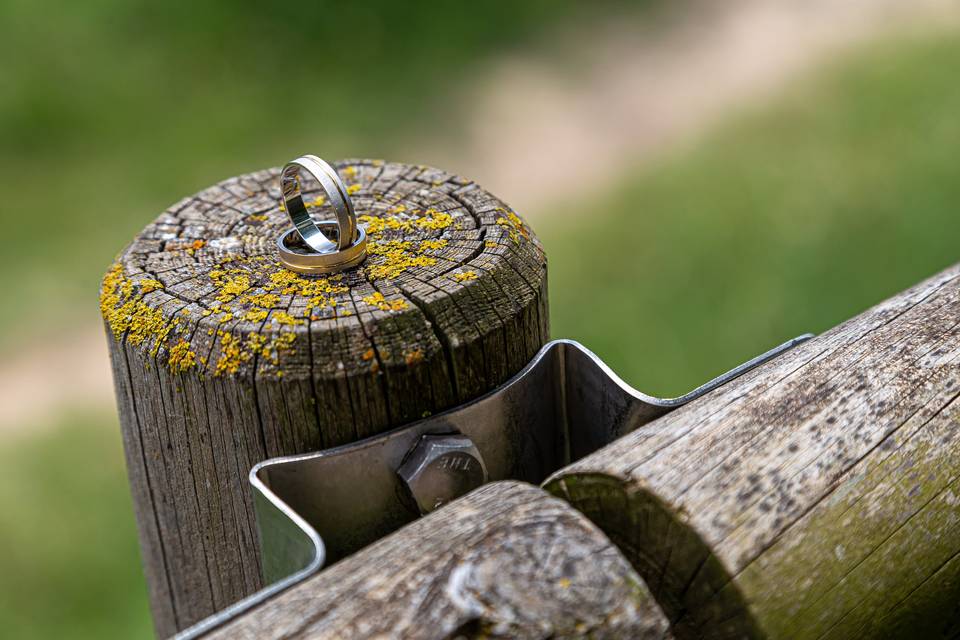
(565, 404)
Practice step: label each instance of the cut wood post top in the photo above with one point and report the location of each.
(815, 497)
(506, 561)
(450, 301)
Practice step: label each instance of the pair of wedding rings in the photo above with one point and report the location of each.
(324, 247)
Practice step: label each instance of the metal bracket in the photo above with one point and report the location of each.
(565, 404)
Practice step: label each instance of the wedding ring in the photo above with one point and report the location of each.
(336, 194)
(297, 256)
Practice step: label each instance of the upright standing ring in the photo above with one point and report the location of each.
(336, 195)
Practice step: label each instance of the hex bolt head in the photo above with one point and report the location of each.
(440, 468)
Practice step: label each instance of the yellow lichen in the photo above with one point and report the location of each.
(260, 300)
(235, 352)
(464, 276)
(413, 357)
(283, 341)
(257, 343)
(513, 224)
(271, 350)
(398, 220)
(383, 247)
(127, 315)
(282, 317)
(140, 322)
(353, 188)
(149, 284)
(434, 220)
(394, 262)
(231, 355)
(318, 291)
(181, 358)
(431, 245)
(377, 300)
(376, 225)
(256, 315)
(251, 289)
(230, 285)
(115, 287)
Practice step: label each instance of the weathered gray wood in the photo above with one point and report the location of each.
(506, 561)
(222, 358)
(816, 497)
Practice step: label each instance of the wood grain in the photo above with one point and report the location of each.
(506, 561)
(816, 497)
(222, 358)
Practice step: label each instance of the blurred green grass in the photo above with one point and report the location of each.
(70, 566)
(792, 218)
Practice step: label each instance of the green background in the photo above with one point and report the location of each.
(790, 217)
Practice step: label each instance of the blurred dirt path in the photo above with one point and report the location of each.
(539, 131)
(38, 384)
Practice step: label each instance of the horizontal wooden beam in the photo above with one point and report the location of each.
(507, 561)
(816, 497)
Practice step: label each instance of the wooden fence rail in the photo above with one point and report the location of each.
(506, 561)
(817, 497)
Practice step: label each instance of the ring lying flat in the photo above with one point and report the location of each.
(336, 195)
(303, 259)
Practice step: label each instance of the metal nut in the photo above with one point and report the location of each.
(441, 468)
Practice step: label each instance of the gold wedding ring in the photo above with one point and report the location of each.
(297, 256)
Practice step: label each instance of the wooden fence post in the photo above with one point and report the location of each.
(222, 358)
